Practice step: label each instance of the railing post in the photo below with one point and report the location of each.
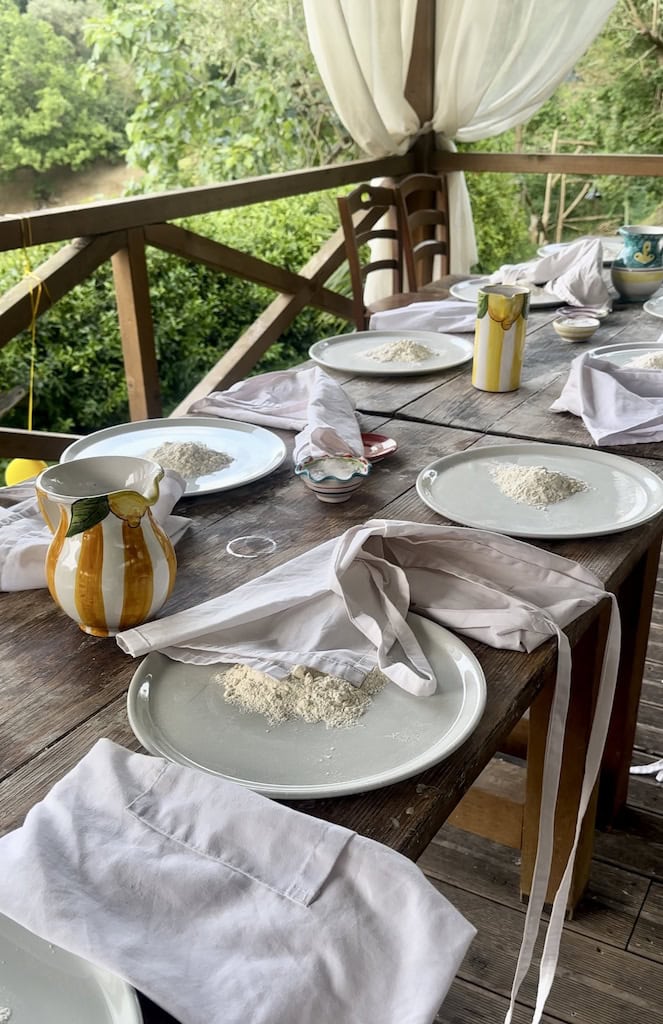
(132, 292)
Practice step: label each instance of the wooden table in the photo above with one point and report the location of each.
(61, 690)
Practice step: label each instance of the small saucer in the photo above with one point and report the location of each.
(378, 446)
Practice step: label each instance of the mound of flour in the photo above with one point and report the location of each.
(535, 485)
(404, 351)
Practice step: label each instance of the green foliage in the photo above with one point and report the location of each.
(198, 315)
(223, 92)
(46, 117)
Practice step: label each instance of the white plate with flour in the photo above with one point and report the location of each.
(539, 298)
(350, 353)
(255, 451)
(40, 982)
(620, 493)
(178, 711)
(626, 352)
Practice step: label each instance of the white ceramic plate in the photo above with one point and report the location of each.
(41, 983)
(256, 451)
(468, 291)
(348, 352)
(612, 246)
(621, 494)
(654, 307)
(624, 353)
(177, 711)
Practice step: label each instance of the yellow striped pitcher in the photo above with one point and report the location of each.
(110, 565)
(499, 337)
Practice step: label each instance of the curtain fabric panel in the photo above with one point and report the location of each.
(495, 64)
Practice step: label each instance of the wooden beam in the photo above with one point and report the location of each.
(191, 246)
(134, 309)
(420, 80)
(59, 274)
(248, 349)
(65, 222)
(493, 807)
(561, 163)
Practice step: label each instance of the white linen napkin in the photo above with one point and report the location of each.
(446, 316)
(573, 274)
(341, 608)
(309, 401)
(655, 768)
(618, 404)
(225, 907)
(25, 538)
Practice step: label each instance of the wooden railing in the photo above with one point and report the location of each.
(119, 230)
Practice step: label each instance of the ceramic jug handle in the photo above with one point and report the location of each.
(49, 509)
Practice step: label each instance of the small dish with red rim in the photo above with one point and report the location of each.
(378, 446)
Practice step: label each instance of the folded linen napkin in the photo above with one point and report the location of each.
(309, 401)
(618, 404)
(574, 274)
(341, 608)
(25, 538)
(442, 315)
(225, 907)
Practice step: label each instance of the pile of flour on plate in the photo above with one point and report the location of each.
(647, 361)
(535, 485)
(403, 351)
(190, 459)
(304, 693)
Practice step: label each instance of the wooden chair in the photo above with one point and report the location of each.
(371, 214)
(423, 204)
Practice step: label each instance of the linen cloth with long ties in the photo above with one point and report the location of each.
(341, 608)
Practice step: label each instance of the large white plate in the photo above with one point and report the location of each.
(612, 246)
(623, 353)
(347, 352)
(622, 493)
(43, 984)
(654, 307)
(256, 451)
(178, 711)
(539, 298)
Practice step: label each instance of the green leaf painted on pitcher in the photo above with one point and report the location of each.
(482, 305)
(86, 513)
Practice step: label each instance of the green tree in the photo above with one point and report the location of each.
(224, 91)
(47, 118)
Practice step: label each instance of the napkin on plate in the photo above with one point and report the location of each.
(25, 538)
(309, 401)
(225, 907)
(618, 404)
(574, 274)
(442, 315)
(341, 608)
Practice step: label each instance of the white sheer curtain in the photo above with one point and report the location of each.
(496, 62)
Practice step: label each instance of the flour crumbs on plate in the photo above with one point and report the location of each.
(403, 351)
(5, 1014)
(535, 485)
(190, 459)
(647, 361)
(304, 693)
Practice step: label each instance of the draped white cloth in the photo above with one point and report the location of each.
(495, 64)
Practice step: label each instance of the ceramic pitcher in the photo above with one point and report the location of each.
(110, 565)
(499, 337)
(643, 246)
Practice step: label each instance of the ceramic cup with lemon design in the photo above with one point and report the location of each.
(109, 566)
(499, 337)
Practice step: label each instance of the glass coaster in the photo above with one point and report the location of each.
(251, 546)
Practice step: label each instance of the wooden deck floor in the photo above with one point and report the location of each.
(611, 960)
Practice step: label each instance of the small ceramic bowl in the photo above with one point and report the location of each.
(576, 328)
(333, 478)
(636, 285)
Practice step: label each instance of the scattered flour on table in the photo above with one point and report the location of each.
(404, 351)
(304, 693)
(5, 1014)
(190, 459)
(647, 361)
(535, 485)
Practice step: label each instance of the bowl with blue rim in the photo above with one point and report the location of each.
(333, 478)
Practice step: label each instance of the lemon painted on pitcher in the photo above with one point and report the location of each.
(110, 566)
(499, 337)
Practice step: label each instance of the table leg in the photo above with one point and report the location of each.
(636, 598)
(587, 661)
